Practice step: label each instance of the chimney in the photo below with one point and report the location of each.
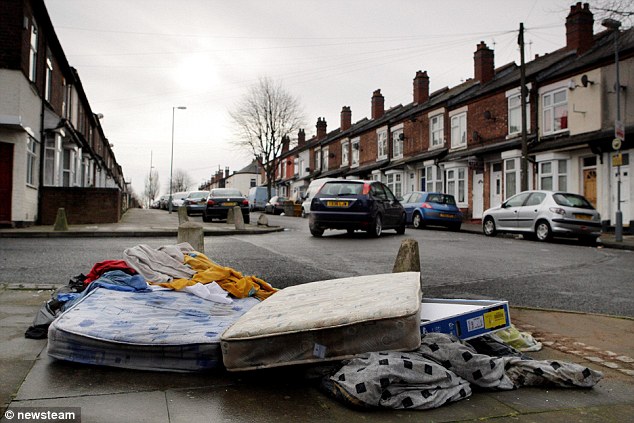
(421, 87)
(579, 24)
(321, 128)
(378, 104)
(286, 142)
(301, 138)
(346, 118)
(226, 172)
(483, 63)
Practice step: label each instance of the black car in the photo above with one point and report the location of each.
(275, 205)
(356, 205)
(220, 200)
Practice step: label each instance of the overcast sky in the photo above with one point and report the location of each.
(139, 58)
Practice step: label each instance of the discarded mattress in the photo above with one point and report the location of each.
(157, 330)
(327, 320)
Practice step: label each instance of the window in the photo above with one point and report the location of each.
(317, 159)
(518, 200)
(456, 183)
(382, 144)
(433, 179)
(394, 181)
(436, 129)
(510, 177)
(345, 153)
(52, 155)
(515, 114)
(33, 55)
(252, 183)
(553, 175)
(326, 157)
(555, 106)
(68, 167)
(296, 166)
(302, 168)
(459, 130)
(31, 156)
(48, 90)
(397, 144)
(355, 152)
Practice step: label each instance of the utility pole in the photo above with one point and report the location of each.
(523, 94)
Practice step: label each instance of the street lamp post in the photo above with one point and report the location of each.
(172, 156)
(614, 25)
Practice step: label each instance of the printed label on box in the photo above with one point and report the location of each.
(494, 319)
(475, 323)
(319, 351)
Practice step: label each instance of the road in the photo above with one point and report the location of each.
(561, 275)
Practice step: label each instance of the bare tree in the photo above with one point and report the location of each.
(152, 187)
(266, 116)
(181, 181)
(621, 10)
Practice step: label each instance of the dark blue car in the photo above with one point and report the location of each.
(432, 208)
(355, 205)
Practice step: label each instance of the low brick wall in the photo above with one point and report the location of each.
(82, 205)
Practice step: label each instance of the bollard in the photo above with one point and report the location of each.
(263, 220)
(182, 215)
(237, 217)
(230, 215)
(408, 259)
(61, 224)
(192, 233)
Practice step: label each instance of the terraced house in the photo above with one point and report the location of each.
(53, 151)
(467, 140)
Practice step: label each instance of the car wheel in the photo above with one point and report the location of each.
(417, 221)
(189, 213)
(588, 240)
(205, 218)
(377, 227)
(401, 228)
(303, 213)
(350, 231)
(488, 227)
(247, 219)
(316, 232)
(543, 231)
(455, 227)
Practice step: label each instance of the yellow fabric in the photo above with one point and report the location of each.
(229, 279)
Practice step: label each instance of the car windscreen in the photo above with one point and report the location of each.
(225, 192)
(198, 194)
(341, 188)
(441, 199)
(572, 200)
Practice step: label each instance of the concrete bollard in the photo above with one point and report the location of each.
(263, 220)
(182, 215)
(230, 216)
(192, 233)
(408, 260)
(238, 218)
(61, 224)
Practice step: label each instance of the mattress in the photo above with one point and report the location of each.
(158, 330)
(327, 320)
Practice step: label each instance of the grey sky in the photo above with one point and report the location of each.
(139, 58)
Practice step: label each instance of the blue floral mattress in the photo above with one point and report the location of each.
(158, 330)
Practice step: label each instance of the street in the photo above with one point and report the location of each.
(560, 275)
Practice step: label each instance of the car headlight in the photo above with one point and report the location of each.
(558, 210)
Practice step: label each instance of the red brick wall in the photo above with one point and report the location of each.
(11, 35)
(491, 130)
(82, 205)
(368, 147)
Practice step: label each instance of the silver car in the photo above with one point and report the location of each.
(544, 214)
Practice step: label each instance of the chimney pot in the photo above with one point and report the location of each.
(321, 128)
(579, 32)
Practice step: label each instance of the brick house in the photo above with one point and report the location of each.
(53, 151)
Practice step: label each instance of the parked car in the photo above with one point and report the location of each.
(356, 205)
(544, 214)
(275, 205)
(196, 202)
(432, 208)
(163, 202)
(220, 200)
(258, 197)
(178, 199)
(314, 186)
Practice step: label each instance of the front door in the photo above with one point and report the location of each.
(6, 181)
(624, 176)
(590, 185)
(496, 185)
(478, 193)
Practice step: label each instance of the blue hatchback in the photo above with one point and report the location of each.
(432, 208)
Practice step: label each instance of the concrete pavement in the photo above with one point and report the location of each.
(31, 379)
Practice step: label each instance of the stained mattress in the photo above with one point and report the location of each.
(327, 320)
(158, 330)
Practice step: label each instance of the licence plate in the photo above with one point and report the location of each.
(337, 203)
(446, 215)
(583, 216)
(233, 203)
